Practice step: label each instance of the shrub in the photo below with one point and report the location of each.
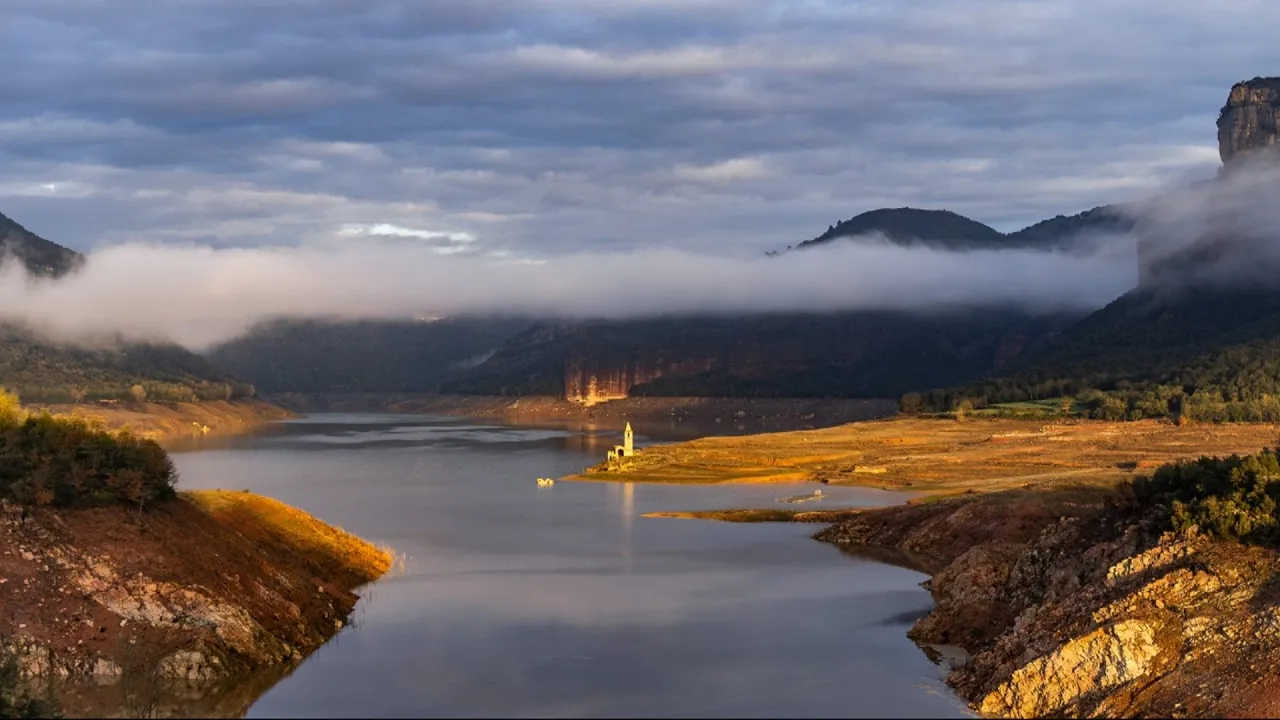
(67, 462)
(1233, 498)
(11, 412)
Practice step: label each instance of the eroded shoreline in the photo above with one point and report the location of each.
(211, 586)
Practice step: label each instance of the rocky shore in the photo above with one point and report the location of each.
(1062, 609)
(176, 601)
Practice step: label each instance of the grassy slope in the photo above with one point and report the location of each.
(339, 556)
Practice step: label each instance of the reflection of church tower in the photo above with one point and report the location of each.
(628, 441)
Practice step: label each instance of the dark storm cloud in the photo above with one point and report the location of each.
(548, 127)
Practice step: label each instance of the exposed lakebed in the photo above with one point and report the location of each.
(519, 600)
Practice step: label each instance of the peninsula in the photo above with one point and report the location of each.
(129, 594)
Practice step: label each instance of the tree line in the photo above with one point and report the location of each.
(1240, 383)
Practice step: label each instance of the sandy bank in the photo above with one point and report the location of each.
(205, 589)
(168, 421)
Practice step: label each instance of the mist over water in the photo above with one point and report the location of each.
(198, 296)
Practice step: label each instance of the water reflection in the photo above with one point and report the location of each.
(517, 600)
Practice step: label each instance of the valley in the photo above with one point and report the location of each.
(1090, 491)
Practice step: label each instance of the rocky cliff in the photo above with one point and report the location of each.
(1063, 612)
(175, 600)
(1250, 120)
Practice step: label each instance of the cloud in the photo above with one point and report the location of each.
(727, 171)
(198, 295)
(587, 125)
(1221, 232)
(441, 243)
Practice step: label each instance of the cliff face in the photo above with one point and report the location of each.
(1248, 132)
(590, 381)
(1250, 120)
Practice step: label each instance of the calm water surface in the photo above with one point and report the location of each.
(516, 600)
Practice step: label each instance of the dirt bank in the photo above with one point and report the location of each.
(168, 421)
(940, 456)
(1064, 610)
(734, 415)
(200, 591)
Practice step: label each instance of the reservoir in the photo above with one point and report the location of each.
(512, 599)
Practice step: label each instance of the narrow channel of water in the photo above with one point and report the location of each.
(519, 600)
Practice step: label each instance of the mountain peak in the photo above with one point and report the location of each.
(40, 256)
(907, 224)
(1250, 120)
(952, 231)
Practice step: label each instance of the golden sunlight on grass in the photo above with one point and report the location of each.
(336, 554)
(941, 456)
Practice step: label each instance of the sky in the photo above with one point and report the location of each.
(530, 129)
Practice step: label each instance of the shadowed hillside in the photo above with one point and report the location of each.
(1199, 339)
(860, 354)
(361, 356)
(831, 355)
(40, 256)
(948, 230)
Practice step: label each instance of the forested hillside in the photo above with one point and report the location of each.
(361, 356)
(41, 369)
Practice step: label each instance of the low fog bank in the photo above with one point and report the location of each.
(1224, 231)
(199, 296)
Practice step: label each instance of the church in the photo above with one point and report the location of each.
(626, 449)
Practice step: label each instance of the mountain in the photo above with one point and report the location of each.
(1062, 231)
(940, 228)
(40, 256)
(857, 354)
(42, 370)
(361, 356)
(1185, 342)
(848, 354)
(947, 230)
(1207, 353)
